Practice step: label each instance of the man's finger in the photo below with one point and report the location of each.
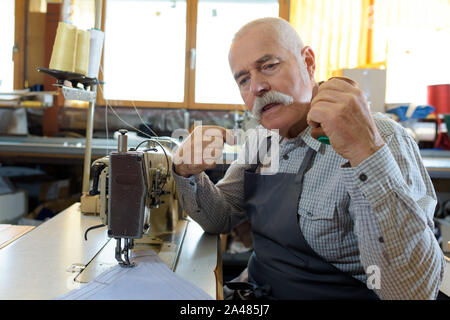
(229, 137)
(216, 143)
(348, 80)
(212, 152)
(340, 84)
(331, 96)
(316, 116)
(319, 113)
(209, 164)
(315, 90)
(218, 131)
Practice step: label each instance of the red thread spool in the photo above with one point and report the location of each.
(439, 97)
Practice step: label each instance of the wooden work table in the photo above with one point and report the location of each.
(40, 264)
(9, 233)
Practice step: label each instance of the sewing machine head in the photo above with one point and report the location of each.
(135, 195)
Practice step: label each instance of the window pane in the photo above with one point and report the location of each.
(6, 45)
(144, 56)
(410, 66)
(218, 21)
(412, 36)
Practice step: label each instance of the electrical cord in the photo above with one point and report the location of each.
(92, 228)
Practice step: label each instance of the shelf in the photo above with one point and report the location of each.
(74, 92)
(74, 78)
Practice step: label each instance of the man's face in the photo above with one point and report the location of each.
(261, 68)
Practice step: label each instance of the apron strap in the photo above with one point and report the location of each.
(261, 153)
(305, 164)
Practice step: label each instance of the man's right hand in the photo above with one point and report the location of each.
(201, 150)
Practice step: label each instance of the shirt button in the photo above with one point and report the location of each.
(192, 183)
(381, 239)
(285, 157)
(362, 177)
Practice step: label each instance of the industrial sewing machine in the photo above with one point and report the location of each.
(134, 194)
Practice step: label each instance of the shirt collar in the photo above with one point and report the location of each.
(305, 136)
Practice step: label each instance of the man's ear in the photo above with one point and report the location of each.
(310, 61)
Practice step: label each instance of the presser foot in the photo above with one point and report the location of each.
(123, 254)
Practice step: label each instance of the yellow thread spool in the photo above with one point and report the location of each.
(64, 48)
(82, 56)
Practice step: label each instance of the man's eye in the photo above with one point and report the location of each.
(270, 66)
(243, 81)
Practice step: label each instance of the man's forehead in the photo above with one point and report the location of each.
(254, 51)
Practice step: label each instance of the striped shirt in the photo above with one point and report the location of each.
(375, 219)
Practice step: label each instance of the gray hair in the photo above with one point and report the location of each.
(285, 33)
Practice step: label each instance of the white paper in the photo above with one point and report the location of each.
(150, 279)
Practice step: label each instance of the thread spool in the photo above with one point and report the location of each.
(95, 52)
(439, 97)
(64, 48)
(82, 56)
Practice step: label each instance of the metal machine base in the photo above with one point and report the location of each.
(167, 246)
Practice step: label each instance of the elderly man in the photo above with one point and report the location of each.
(349, 220)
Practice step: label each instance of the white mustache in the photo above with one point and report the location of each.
(268, 98)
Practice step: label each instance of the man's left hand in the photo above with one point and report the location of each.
(340, 108)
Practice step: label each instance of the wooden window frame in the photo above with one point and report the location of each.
(20, 10)
(189, 82)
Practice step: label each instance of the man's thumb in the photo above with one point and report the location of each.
(229, 137)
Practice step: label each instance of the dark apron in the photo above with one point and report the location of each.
(283, 265)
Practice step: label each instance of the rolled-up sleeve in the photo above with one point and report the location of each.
(393, 202)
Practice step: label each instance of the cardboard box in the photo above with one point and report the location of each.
(13, 206)
(44, 188)
(6, 186)
(372, 82)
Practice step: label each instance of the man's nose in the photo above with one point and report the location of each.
(259, 85)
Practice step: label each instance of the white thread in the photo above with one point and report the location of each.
(135, 109)
(108, 105)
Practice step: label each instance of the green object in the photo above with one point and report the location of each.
(447, 123)
(324, 140)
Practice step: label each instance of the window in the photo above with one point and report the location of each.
(409, 38)
(174, 53)
(6, 45)
(217, 22)
(413, 38)
(144, 55)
